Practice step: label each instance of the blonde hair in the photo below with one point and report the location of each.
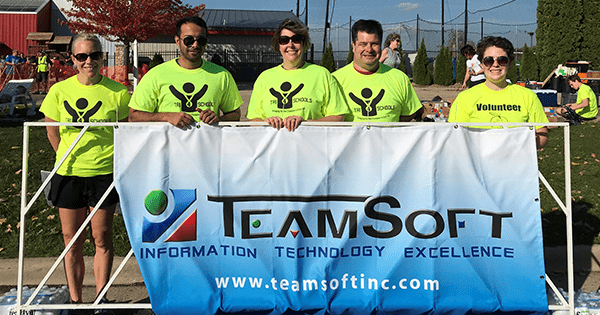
(83, 37)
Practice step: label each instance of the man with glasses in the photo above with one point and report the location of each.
(188, 88)
(497, 101)
(374, 91)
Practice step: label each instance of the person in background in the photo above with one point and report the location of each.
(390, 56)
(86, 174)
(496, 100)
(586, 104)
(474, 70)
(11, 61)
(295, 91)
(189, 88)
(374, 91)
(43, 68)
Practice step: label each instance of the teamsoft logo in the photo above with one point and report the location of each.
(367, 105)
(156, 203)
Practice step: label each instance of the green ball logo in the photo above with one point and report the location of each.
(156, 202)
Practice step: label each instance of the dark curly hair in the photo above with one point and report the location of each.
(493, 41)
(295, 27)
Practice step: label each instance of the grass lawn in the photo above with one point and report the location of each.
(43, 236)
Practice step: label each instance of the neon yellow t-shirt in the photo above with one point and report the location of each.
(170, 88)
(512, 104)
(310, 92)
(591, 111)
(382, 96)
(71, 101)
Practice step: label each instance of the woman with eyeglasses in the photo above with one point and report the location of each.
(390, 55)
(296, 90)
(497, 101)
(87, 172)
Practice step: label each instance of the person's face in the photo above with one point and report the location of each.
(575, 85)
(292, 50)
(394, 44)
(495, 72)
(15, 53)
(89, 67)
(192, 53)
(367, 50)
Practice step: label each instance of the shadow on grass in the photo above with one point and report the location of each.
(586, 226)
(19, 117)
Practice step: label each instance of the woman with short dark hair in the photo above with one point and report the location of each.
(295, 91)
(497, 101)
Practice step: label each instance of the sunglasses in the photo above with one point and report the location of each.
(489, 61)
(297, 39)
(96, 55)
(189, 40)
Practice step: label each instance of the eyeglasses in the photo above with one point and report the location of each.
(297, 39)
(189, 40)
(81, 57)
(489, 61)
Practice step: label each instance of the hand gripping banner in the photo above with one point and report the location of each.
(334, 220)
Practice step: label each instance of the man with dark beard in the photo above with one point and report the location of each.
(188, 88)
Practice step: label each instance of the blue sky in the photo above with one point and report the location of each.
(512, 19)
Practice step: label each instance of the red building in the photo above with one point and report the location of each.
(21, 17)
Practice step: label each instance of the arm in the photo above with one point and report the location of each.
(384, 55)
(583, 104)
(541, 137)
(231, 116)
(467, 76)
(53, 134)
(417, 115)
(180, 119)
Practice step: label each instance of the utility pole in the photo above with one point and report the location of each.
(298, 8)
(350, 34)
(442, 22)
(306, 14)
(417, 43)
(466, 21)
(482, 27)
(326, 26)
(531, 35)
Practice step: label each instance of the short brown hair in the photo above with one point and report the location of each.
(295, 27)
(574, 77)
(493, 41)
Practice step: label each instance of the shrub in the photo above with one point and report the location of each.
(421, 74)
(442, 70)
(327, 59)
(156, 60)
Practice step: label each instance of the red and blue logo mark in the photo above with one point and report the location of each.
(156, 203)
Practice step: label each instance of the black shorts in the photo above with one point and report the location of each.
(73, 192)
(42, 76)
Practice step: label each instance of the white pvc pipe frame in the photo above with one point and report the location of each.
(20, 306)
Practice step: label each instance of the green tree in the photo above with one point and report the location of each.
(350, 56)
(421, 74)
(442, 70)
(590, 30)
(403, 62)
(461, 68)
(327, 59)
(156, 60)
(512, 73)
(529, 65)
(560, 32)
